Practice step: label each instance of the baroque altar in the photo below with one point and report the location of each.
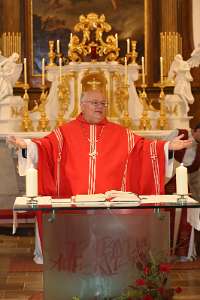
(93, 62)
(106, 76)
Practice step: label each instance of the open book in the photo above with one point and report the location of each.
(113, 196)
(90, 198)
(120, 196)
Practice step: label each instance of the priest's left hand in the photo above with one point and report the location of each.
(178, 144)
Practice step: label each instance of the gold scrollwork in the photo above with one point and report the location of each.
(93, 27)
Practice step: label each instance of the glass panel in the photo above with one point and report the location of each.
(93, 254)
(146, 202)
(156, 206)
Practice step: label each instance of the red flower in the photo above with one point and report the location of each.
(140, 282)
(164, 268)
(147, 297)
(146, 270)
(178, 290)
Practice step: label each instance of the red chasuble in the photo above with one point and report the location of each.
(79, 158)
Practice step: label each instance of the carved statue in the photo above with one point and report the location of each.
(180, 73)
(9, 73)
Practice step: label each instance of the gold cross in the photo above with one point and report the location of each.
(94, 83)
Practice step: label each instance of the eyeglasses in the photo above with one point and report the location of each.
(97, 103)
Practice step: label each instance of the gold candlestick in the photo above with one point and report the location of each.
(63, 98)
(125, 120)
(51, 54)
(145, 122)
(26, 124)
(59, 55)
(43, 124)
(162, 121)
(132, 55)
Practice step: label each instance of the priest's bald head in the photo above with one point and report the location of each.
(93, 106)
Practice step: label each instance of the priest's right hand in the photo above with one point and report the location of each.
(16, 142)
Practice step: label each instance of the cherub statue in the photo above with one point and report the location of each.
(9, 73)
(75, 49)
(110, 44)
(180, 73)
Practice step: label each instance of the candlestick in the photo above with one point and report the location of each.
(143, 71)
(181, 180)
(116, 40)
(60, 68)
(43, 71)
(161, 70)
(31, 182)
(125, 70)
(128, 45)
(25, 71)
(58, 46)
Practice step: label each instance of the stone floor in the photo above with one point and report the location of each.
(21, 279)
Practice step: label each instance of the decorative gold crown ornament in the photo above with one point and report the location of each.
(92, 28)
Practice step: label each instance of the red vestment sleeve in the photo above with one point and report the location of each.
(47, 155)
(146, 167)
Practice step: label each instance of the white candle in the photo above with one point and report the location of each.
(43, 71)
(58, 46)
(31, 182)
(116, 40)
(161, 70)
(60, 68)
(143, 71)
(25, 71)
(125, 70)
(181, 180)
(128, 45)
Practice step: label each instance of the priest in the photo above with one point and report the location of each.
(91, 155)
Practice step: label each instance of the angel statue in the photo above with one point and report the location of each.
(9, 73)
(180, 72)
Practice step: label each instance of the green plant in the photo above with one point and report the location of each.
(152, 283)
